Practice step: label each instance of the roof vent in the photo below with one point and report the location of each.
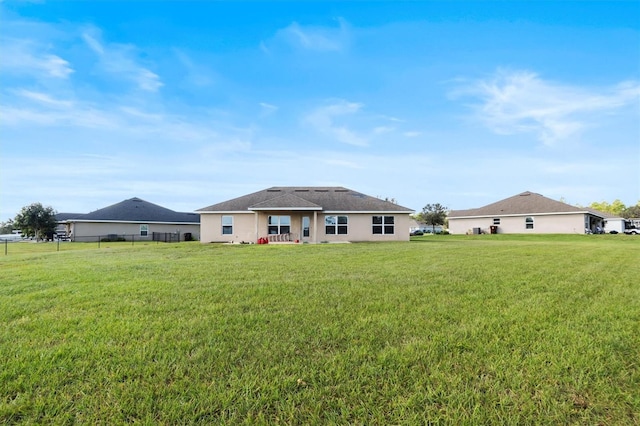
(273, 190)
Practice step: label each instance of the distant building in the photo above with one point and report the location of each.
(131, 219)
(526, 213)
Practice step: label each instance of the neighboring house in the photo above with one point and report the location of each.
(131, 219)
(611, 222)
(526, 213)
(414, 226)
(304, 214)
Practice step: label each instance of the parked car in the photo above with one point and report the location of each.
(632, 231)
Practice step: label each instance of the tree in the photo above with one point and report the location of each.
(36, 221)
(7, 227)
(433, 214)
(616, 208)
(631, 212)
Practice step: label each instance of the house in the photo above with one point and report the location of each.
(131, 219)
(304, 214)
(527, 212)
(612, 223)
(415, 226)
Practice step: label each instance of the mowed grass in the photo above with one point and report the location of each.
(441, 330)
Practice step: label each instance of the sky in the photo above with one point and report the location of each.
(189, 103)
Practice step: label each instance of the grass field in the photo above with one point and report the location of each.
(444, 329)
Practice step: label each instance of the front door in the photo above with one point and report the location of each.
(305, 232)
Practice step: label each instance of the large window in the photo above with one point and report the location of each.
(227, 225)
(144, 230)
(336, 225)
(279, 225)
(383, 224)
(528, 222)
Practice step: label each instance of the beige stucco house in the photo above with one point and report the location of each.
(306, 215)
(135, 219)
(525, 213)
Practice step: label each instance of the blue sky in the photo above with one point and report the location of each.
(186, 104)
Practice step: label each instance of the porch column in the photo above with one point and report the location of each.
(315, 226)
(255, 215)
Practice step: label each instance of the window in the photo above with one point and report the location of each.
(336, 225)
(279, 225)
(144, 230)
(227, 225)
(383, 224)
(528, 222)
(496, 221)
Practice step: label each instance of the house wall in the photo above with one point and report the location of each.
(244, 227)
(90, 231)
(542, 224)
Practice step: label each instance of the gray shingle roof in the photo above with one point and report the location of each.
(137, 210)
(524, 203)
(331, 198)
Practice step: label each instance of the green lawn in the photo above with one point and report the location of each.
(444, 329)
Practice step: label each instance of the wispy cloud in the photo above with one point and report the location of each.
(120, 60)
(43, 98)
(514, 102)
(324, 118)
(313, 38)
(28, 57)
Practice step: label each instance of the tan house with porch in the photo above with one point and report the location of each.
(306, 215)
(526, 213)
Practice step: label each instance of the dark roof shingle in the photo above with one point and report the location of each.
(138, 210)
(524, 203)
(310, 198)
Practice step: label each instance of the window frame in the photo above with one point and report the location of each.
(226, 226)
(275, 222)
(496, 221)
(144, 230)
(336, 224)
(529, 222)
(383, 225)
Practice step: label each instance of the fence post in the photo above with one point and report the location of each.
(98, 241)
(6, 245)
(133, 238)
(58, 244)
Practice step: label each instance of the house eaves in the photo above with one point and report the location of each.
(306, 198)
(519, 215)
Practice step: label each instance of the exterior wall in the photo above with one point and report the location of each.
(542, 224)
(244, 227)
(90, 231)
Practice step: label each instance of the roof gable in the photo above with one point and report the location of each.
(524, 203)
(333, 198)
(138, 210)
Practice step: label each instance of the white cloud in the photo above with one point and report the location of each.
(43, 98)
(120, 60)
(323, 119)
(522, 102)
(22, 56)
(314, 38)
